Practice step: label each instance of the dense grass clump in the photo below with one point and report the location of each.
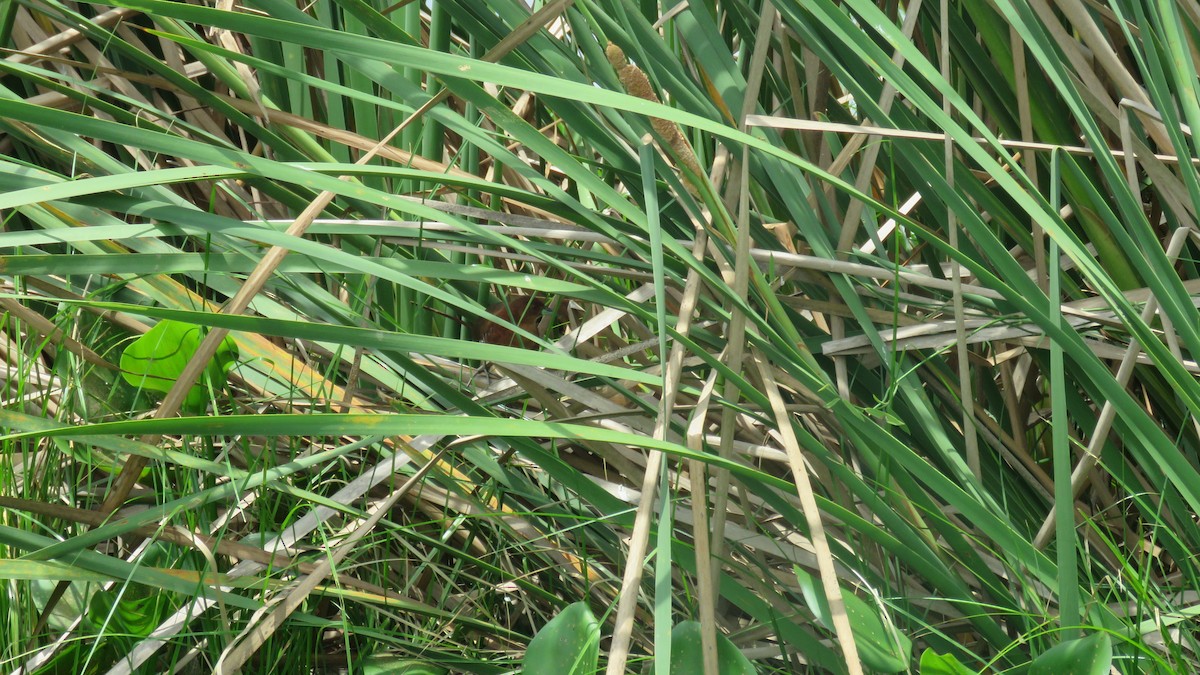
(461, 336)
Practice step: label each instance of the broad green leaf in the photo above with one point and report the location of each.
(155, 360)
(1091, 655)
(687, 656)
(136, 612)
(568, 645)
(880, 645)
(933, 663)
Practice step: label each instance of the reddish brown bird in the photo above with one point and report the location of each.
(526, 311)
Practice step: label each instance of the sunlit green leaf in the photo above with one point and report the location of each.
(568, 645)
(933, 663)
(687, 652)
(155, 360)
(1091, 655)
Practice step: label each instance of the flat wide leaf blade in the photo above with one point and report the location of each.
(568, 645)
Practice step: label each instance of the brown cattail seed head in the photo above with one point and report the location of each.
(637, 84)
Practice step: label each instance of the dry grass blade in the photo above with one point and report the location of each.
(812, 514)
(631, 580)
